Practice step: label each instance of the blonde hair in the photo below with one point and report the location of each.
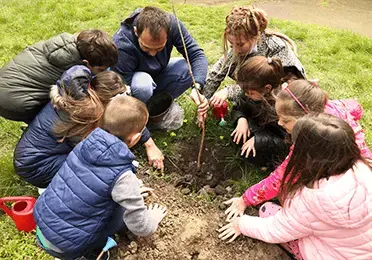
(124, 116)
(252, 23)
(84, 114)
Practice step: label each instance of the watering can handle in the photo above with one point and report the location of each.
(12, 199)
(5, 208)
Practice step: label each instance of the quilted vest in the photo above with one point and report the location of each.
(75, 208)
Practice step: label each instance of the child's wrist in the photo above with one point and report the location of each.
(247, 203)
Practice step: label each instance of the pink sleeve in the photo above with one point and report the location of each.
(269, 187)
(353, 107)
(286, 225)
(344, 107)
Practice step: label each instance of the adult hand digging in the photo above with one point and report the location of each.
(154, 155)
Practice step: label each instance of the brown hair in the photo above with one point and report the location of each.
(97, 47)
(108, 84)
(255, 74)
(324, 146)
(252, 23)
(84, 114)
(309, 94)
(82, 117)
(124, 115)
(153, 19)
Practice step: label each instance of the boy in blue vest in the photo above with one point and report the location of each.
(96, 193)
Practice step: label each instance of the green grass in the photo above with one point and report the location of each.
(340, 59)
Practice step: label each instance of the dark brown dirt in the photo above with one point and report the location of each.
(194, 210)
(218, 164)
(189, 232)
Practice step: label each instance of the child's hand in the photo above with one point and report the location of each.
(219, 97)
(248, 147)
(230, 230)
(157, 212)
(236, 208)
(146, 191)
(241, 130)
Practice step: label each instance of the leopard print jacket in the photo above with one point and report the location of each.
(269, 46)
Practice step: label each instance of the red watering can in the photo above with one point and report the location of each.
(219, 112)
(20, 212)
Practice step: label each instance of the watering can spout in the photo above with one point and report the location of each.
(21, 211)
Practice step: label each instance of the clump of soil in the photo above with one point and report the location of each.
(220, 163)
(189, 232)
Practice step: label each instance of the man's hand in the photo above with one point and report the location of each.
(219, 97)
(154, 155)
(202, 104)
(241, 130)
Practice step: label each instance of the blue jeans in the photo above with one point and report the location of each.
(174, 79)
(115, 224)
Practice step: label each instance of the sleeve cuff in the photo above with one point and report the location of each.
(145, 136)
(245, 198)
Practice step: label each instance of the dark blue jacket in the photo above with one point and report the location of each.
(133, 59)
(38, 155)
(74, 210)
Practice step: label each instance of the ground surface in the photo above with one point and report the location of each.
(354, 15)
(195, 210)
(189, 232)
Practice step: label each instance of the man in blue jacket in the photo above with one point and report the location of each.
(145, 41)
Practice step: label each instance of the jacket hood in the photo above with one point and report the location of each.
(344, 200)
(104, 149)
(129, 21)
(75, 81)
